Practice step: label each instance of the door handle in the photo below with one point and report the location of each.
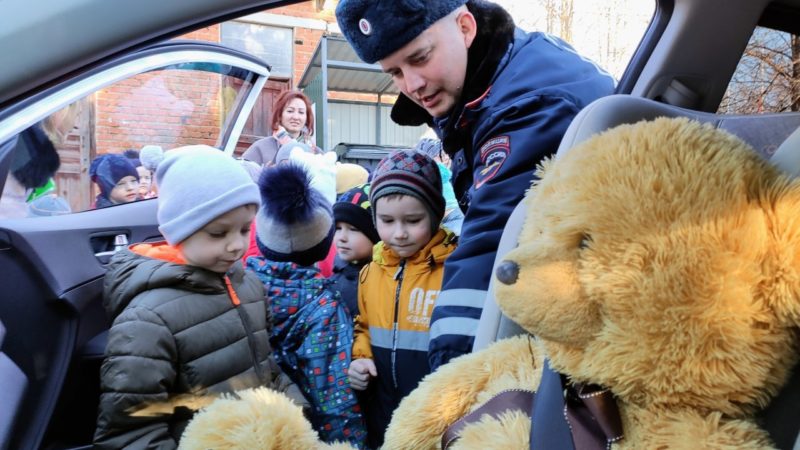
(106, 245)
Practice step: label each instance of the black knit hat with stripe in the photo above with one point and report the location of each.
(409, 172)
(353, 207)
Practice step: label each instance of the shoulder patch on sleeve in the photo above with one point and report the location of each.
(493, 154)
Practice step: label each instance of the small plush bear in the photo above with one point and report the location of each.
(659, 262)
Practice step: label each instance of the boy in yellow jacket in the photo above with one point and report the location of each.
(397, 290)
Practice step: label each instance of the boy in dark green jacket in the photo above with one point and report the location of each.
(189, 322)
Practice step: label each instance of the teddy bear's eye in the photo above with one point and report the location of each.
(585, 241)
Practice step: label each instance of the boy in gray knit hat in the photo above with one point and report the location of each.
(189, 323)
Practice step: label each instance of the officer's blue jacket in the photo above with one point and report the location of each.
(538, 87)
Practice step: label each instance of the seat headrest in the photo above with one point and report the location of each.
(613, 110)
(787, 156)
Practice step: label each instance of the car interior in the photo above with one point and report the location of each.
(51, 314)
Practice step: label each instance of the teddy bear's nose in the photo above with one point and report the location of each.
(507, 272)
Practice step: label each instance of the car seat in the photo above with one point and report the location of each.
(764, 132)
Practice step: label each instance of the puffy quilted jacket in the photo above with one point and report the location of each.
(180, 336)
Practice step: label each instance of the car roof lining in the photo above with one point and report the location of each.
(75, 34)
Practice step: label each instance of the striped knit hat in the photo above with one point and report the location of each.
(409, 172)
(353, 207)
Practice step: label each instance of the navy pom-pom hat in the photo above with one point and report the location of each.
(376, 29)
(107, 169)
(295, 222)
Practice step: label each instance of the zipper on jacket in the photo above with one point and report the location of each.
(248, 330)
(398, 276)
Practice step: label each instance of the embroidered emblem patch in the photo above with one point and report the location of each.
(365, 27)
(493, 154)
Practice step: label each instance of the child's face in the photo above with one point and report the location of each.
(222, 242)
(145, 179)
(351, 243)
(403, 223)
(126, 190)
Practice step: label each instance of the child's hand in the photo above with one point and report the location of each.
(360, 371)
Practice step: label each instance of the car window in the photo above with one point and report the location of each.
(766, 77)
(605, 31)
(101, 150)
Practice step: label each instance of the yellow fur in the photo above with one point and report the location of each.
(658, 259)
(259, 419)
(458, 388)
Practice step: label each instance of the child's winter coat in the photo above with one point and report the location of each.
(395, 301)
(181, 336)
(313, 338)
(345, 281)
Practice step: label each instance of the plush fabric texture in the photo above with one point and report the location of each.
(197, 184)
(349, 176)
(660, 260)
(409, 172)
(355, 208)
(648, 264)
(295, 223)
(107, 169)
(256, 419)
(376, 29)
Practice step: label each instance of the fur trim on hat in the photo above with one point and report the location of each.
(287, 194)
(375, 30)
(295, 222)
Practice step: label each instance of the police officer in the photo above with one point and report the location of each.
(499, 98)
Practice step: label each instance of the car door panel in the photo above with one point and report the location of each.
(51, 282)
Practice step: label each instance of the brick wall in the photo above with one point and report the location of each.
(164, 110)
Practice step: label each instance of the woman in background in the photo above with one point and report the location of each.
(293, 120)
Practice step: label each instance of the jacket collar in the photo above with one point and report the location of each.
(435, 252)
(495, 34)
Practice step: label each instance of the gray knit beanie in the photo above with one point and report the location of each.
(197, 184)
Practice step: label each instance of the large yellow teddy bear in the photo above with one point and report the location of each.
(659, 260)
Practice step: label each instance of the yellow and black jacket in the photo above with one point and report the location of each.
(395, 301)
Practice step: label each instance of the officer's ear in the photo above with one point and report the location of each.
(467, 26)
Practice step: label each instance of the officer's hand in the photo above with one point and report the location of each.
(360, 371)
